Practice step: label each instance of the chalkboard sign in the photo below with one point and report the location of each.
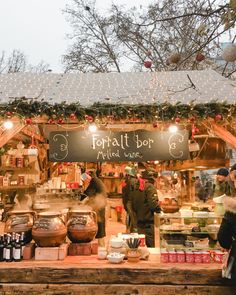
(107, 146)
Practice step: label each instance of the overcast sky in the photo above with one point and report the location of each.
(38, 28)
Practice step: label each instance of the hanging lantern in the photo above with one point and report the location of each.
(175, 58)
(229, 53)
(200, 57)
(148, 64)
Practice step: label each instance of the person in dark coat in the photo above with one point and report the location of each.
(95, 196)
(127, 190)
(227, 231)
(144, 203)
(222, 185)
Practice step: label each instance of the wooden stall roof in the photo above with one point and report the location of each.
(128, 88)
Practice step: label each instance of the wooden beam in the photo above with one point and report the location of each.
(30, 133)
(195, 164)
(9, 134)
(222, 133)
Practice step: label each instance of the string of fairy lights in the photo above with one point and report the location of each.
(181, 98)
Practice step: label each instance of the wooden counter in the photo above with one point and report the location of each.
(88, 275)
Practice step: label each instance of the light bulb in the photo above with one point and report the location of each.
(8, 124)
(92, 127)
(173, 128)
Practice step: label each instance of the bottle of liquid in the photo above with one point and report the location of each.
(2, 248)
(22, 244)
(17, 249)
(13, 240)
(5, 245)
(9, 249)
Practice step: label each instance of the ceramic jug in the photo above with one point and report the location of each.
(49, 229)
(82, 225)
(20, 221)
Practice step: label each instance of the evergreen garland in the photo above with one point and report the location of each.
(25, 108)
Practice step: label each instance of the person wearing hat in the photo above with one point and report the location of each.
(145, 203)
(222, 185)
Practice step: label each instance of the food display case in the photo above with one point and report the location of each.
(187, 230)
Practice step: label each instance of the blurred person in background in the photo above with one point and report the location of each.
(227, 231)
(145, 203)
(232, 180)
(127, 190)
(95, 196)
(222, 185)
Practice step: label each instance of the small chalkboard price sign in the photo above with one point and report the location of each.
(107, 146)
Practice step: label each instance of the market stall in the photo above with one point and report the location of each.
(48, 146)
(87, 275)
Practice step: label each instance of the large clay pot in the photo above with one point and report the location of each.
(49, 230)
(82, 225)
(19, 221)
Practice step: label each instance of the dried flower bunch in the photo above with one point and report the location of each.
(133, 243)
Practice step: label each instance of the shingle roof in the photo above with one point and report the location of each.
(123, 88)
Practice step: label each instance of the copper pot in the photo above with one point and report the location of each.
(170, 205)
(82, 225)
(20, 221)
(49, 230)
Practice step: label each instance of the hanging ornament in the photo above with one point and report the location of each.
(200, 57)
(90, 119)
(218, 117)
(149, 53)
(168, 62)
(192, 119)
(51, 121)
(60, 121)
(155, 124)
(28, 121)
(196, 130)
(229, 53)
(175, 58)
(148, 64)
(73, 116)
(177, 120)
(193, 131)
(9, 114)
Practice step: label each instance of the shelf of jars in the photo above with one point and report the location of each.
(196, 231)
(13, 187)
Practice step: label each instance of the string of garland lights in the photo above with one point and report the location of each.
(60, 113)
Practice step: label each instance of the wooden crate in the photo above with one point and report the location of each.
(51, 253)
(76, 249)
